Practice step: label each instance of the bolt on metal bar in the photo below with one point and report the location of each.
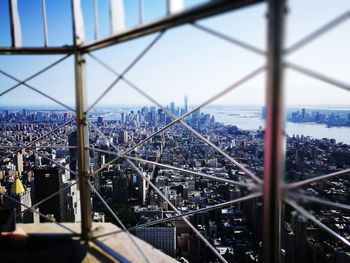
(194, 229)
(36, 212)
(192, 212)
(319, 32)
(230, 39)
(201, 137)
(141, 175)
(36, 90)
(132, 239)
(311, 199)
(312, 218)
(43, 14)
(38, 139)
(126, 70)
(318, 76)
(316, 179)
(48, 197)
(274, 142)
(35, 75)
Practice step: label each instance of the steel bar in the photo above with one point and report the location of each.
(49, 197)
(38, 139)
(319, 76)
(192, 212)
(35, 75)
(201, 137)
(187, 16)
(212, 99)
(77, 23)
(82, 142)
(132, 239)
(140, 7)
(312, 218)
(245, 185)
(104, 166)
(319, 32)
(65, 50)
(141, 175)
(57, 163)
(43, 14)
(311, 199)
(41, 146)
(194, 229)
(274, 141)
(15, 24)
(316, 179)
(126, 70)
(36, 90)
(44, 156)
(230, 39)
(96, 22)
(110, 254)
(36, 212)
(116, 16)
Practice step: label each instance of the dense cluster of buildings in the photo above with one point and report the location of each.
(235, 231)
(329, 117)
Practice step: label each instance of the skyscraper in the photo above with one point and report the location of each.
(186, 104)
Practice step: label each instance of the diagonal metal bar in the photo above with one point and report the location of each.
(35, 75)
(193, 212)
(248, 186)
(316, 179)
(131, 65)
(311, 199)
(48, 197)
(319, 76)
(230, 39)
(319, 32)
(41, 146)
(143, 177)
(194, 229)
(44, 156)
(34, 211)
(36, 90)
(312, 218)
(240, 166)
(104, 166)
(38, 139)
(132, 239)
(57, 163)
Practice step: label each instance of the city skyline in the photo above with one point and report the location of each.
(173, 69)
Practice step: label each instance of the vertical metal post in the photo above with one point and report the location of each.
(82, 126)
(274, 147)
(82, 143)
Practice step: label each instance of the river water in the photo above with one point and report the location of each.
(250, 119)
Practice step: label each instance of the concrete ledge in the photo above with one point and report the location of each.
(120, 242)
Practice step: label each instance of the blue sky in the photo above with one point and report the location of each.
(186, 61)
